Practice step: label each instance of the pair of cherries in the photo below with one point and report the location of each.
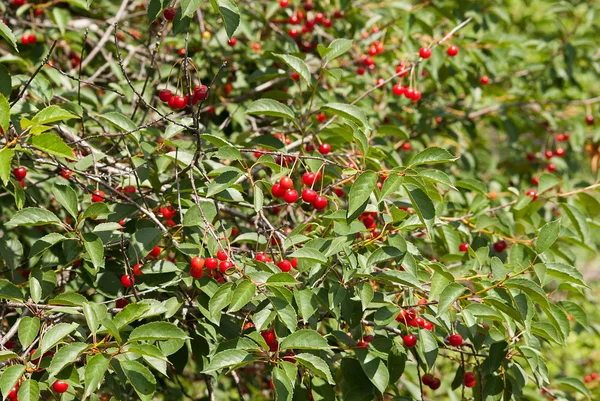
(176, 102)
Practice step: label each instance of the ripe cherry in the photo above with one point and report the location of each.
(137, 269)
(327, 23)
(155, 252)
(589, 119)
(231, 42)
(549, 154)
(197, 262)
(284, 3)
(17, 3)
(295, 263)
(427, 379)
(286, 182)
(60, 386)
(551, 167)
(425, 52)
(427, 325)
(469, 379)
(532, 193)
(410, 340)
(531, 156)
(284, 265)
(66, 174)
(211, 263)
(464, 247)
(406, 146)
(295, 76)
(309, 178)
(309, 195)
(20, 173)
(455, 340)
(484, 80)
(435, 384)
(402, 70)
(560, 152)
(416, 95)
(121, 303)
(277, 191)
(321, 117)
(320, 202)
(168, 212)
(221, 255)
(398, 89)
(293, 33)
(409, 93)
(291, 196)
(325, 148)
(360, 71)
(452, 51)
(127, 280)
(12, 395)
(169, 14)
(224, 266)
(500, 246)
(98, 196)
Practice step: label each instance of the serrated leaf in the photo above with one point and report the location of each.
(140, 377)
(230, 13)
(52, 114)
(189, 7)
(119, 120)
(315, 365)
(338, 47)
(65, 356)
(10, 291)
(545, 182)
(67, 197)
(8, 36)
(547, 237)
(432, 155)
(297, 65)
(95, 249)
(4, 112)
(270, 107)
(55, 335)
(448, 296)
(9, 378)
(304, 339)
(347, 111)
(243, 293)
(94, 373)
(360, 193)
(310, 254)
(29, 391)
(6, 156)
(284, 388)
(375, 369)
(52, 144)
(28, 330)
(33, 216)
(423, 206)
(228, 358)
(157, 331)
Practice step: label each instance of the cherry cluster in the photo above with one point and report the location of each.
(177, 102)
(29, 39)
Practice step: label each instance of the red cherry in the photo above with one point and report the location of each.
(295, 76)
(308, 195)
(169, 14)
(320, 202)
(324, 148)
(452, 51)
(291, 196)
(410, 340)
(127, 281)
(425, 52)
(327, 23)
(12, 395)
(179, 102)
(469, 379)
(172, 103)
(168, 212)
(261, 257)
(137, 269)
(286, 182)
(60, 386)
(535, 181)
(406, 146)
(20, 173)
(98, 196)
(284, 265)
(337, 14)
(549, 154)
(309, 178)
(284, 3)
(294, 20)
(224, 266)
(484, 80)
(409, 93)
(360, 71)
(155, 252)
(66, 174)
(455, 340)
(293, 33)
(402, 70)
(560, 152)
(500, 246)
(531, 156)
(427, 325)
(589, 119)
(416, 95)
(211, 263)
(231, 42)
(427, 379)
(398, 89)
(551, 167)
(339, 192)
(17, 3)
(130, 189)
(532, 193)
(221, 255)
(295, 263)
(463, 247)
(435, 384)
(197, 262)
(121, 303)
(277, 191)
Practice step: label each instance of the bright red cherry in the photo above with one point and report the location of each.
(427, 325)
(320, 202)
(284, 3)
(324, 148)
(261, 257)
(177, 102)
(221, 255)
(500, 246)
(464, 247)
(560, 152)
(295, 76)
(425, 52)
(549, 154)
(137, 269)
(291, 196)
(12, 395)
(484, 80)
(17, 3)
(231, 42)
(398, 89)
(284, 265)
(168, 212)
(66, 174)
(452, 51)
(60, 386)
(551, 167)
(360, 71)
(277, 191)
(20, 173)
(410, 340)
(309, 178)
(309, 195)
(402, 70)
(224, 266)
(295, 263)
(469, 379)
(589, 119)
(197, 262)
(327, 23)
(409, 93)
(169, 14)
(127, 280)
(532, 193)
(98, 196)
(270, 339)
(455, 340)
(406, 146)
(416, 95)
(211, 263)
(293, 33)
(535, 181)
(286, 182)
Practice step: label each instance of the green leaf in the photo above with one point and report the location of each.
(297, 65)
(33, 216)
(222, 182)
(4, 111)
(310, 254)
(243, 293)
(142, 243)
(347, 111)
(67, 197)
(61, 17)
(189, 7)
(157, 331)
(359, 195)
(55, 335)
(6, 355)
(432, 155)
(284, 388)
(140, 377)
(6, 156)
(565, 272)
(375, 369)
(29, 391)
(286, 313)
(219, 301)
(5, 83)
(94, 373)
(9, 378)
(230, 13)
(304, 339)
(11, 252)
(119, 120)
(529, 287)
(156, 8)
(270, 107)
(281, 280)
(95, 249)
(573, 384)
(448, 296)
(65, 356)
(547, 237)
(52, 114)
(228, 358)
(316, 365)
(423, 206)
(28, 330)
(10, 291)
(545, 182)
(8, 36)
(337, 48)
(52, 144)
